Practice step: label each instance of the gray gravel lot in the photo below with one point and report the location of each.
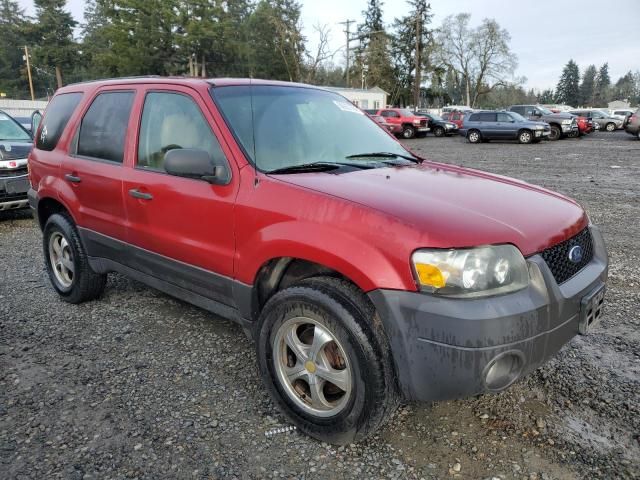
(140, 385)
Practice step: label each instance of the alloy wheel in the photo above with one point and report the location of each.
(474, 137)
(312, 367)
(61, 258)
(610, 127)
(525, 137)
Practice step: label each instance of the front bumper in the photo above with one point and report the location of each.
(569, 128)
(443, 347)
(13, 192)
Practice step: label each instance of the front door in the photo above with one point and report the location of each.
(181, 230)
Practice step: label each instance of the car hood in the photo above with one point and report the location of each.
(562, 115)
(453, 207)
(11, 150)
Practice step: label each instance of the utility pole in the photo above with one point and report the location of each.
(416, 93)
(348, 23)
(26, 57)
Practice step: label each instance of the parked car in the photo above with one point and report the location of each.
(622, 114)
(606, 122)
(364, 274)
(411, 124)
(585, 125)
(457, 118)
(488, 125)
(632, 125)
(439, 126)
(15, 144)
(390, 127)
(561, 124)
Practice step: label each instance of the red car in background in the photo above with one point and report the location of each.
(454, 117)
(411, 124)
(390, 127)
(586, 125)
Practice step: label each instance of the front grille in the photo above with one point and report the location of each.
(5, 197)
(557, 257)
(14, 172)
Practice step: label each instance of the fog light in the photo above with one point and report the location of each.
(503, 370)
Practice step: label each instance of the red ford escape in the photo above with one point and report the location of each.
(364, 273)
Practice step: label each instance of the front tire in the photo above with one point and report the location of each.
(408, 132)
(525, 136)
(67, 263)
(610, 127)
(474, 136)
(555, 134)
(323, 357)
(439, 132)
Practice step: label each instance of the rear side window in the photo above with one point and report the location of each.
(519, 110)
(486, 117)
(56, 118)
(104, 127)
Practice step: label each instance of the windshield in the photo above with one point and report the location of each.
(11, 130)
(436, 117)
(518, 117)
(545, 111)
(292, 126)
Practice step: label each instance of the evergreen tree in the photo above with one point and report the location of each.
(568, 90)
(53, 35)
(403, 48)
(373, 65)
(587, 87)
(13, 74)
(625, 87)
(547, 96)
(603, 85)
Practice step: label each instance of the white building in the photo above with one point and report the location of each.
(367, 98)
(21, 108)
(619, 105)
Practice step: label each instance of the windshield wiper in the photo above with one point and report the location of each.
(384, 155)
(307, 167)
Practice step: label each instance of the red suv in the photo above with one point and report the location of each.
(411, 125)
(364, 273)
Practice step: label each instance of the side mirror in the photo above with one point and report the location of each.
(196, 164)
(36, 118)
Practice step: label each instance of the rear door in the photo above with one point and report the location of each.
(94, 166)
(181, 230)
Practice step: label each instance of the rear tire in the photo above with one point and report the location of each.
(365, 393)
(438, 132)
(555, 134)
(67, 263)
(474, 136)
(610, 127)
(408, 132)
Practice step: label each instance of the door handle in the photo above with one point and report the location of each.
(73, 178)
(135, 193)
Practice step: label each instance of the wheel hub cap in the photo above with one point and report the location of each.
(312, 367)
(61, 259)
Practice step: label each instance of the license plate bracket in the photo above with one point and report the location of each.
(591, 308)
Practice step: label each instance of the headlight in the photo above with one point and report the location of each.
(416, 122)
(472, 272)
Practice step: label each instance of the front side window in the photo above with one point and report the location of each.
(12, 131)
(55, 119)
(505, 117)
(104, 127)
(171, 121)
(281, 127)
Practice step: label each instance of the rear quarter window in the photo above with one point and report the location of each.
(55, 119)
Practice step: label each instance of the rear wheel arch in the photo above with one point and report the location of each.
(47, 206)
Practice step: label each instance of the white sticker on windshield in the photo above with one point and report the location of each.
(348, 107)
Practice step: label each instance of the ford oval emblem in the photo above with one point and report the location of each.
(575, 254)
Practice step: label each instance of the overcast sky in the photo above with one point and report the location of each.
(545, 34)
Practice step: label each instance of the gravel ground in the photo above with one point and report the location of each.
(140, 385)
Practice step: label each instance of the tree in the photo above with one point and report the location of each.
(568, 89)
(403, 49)
(275, 40)
(547, 96)
(587, 87)
(53, 36)
(625, 87)
(373, 64)
(480, 57)
(13, 75)
(603, 84)
(323, 53)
